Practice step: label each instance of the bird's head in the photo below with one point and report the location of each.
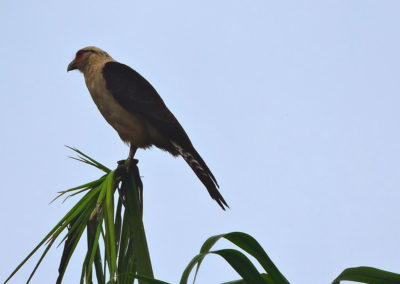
(88, 56)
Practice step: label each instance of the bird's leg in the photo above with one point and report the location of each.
(132, 152)
(130, 162)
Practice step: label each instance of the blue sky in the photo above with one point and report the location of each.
(293, 105)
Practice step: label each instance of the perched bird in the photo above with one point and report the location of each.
(135, 110)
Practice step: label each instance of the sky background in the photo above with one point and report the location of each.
(294, 105)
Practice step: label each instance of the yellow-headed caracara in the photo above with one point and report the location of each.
(134, 109)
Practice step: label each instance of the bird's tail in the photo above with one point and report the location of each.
(203, 173)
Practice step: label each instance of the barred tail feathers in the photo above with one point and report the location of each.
(201, 170)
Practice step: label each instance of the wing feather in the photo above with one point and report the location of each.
(138, 96)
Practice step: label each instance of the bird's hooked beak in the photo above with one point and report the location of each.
(72, 66)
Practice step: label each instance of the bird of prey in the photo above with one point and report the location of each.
(131, 105)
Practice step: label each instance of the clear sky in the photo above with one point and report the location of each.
(294, 105)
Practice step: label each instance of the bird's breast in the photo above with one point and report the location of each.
(130, 127)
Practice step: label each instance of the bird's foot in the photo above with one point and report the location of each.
(127, 164)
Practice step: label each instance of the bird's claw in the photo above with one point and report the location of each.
(128, 164)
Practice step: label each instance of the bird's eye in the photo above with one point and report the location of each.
(79, 54)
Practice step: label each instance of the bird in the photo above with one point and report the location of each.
(133, 107)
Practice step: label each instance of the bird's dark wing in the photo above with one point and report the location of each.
(137, 95)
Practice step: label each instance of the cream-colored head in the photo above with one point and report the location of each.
(87, 57)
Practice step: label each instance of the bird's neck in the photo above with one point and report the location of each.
(95, 66)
